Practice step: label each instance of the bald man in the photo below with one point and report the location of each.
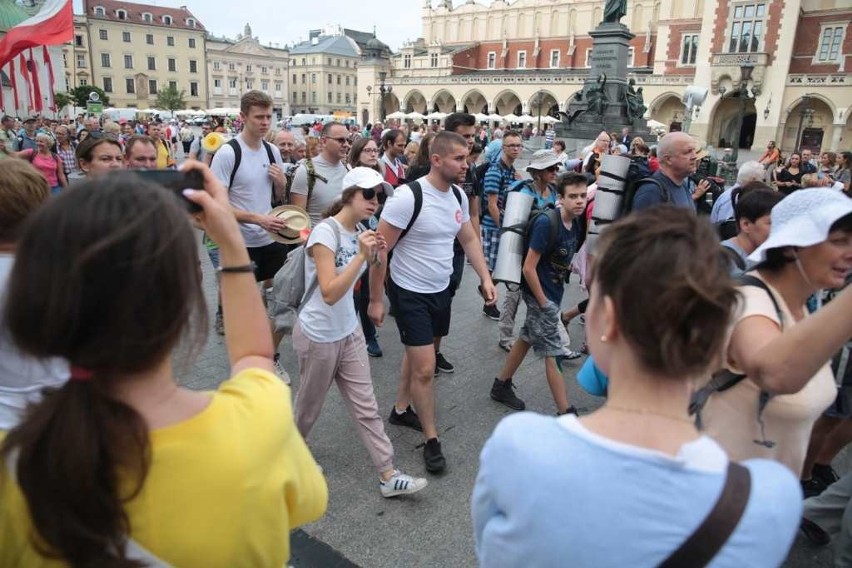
(671, 183)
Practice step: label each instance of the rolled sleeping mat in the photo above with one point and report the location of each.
(609, 196)
(510, 251)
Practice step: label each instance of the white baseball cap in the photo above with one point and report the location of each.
(803, 219)
(366, 177)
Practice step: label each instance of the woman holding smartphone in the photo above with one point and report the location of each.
(328, 339)
(121, 466)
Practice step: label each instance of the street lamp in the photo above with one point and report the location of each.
(384, 89)
(538, 99)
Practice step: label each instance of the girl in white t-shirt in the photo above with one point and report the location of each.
(327, 338)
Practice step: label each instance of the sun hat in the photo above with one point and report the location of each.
(365, 178)
(297, 221)
(542, 160)
(803, 219)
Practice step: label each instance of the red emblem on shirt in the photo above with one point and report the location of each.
(458, 216)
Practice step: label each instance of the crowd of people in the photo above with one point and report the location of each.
(711, 338)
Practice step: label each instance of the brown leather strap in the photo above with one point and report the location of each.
(703, 544)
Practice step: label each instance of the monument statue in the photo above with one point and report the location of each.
(614, 10)
(596, 97)
(635, 101)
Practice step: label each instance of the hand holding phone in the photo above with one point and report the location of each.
(176, 181)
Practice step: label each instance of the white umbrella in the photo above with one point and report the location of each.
(526, 118)
(494, 117)
(437, 115)
(510, 118)
(655, 124)
(480, 117)
(415, 115)
(549, 119)
(396, 115)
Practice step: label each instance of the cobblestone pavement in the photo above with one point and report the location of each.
(431, 528)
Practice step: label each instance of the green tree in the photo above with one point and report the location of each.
(170, 99)
(80, 95)
(63, 100)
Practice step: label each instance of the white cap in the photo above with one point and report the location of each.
(803, 219)
(366, 177)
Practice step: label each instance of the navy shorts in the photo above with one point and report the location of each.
(420, 318)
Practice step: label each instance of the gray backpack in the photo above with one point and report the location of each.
(288, 287)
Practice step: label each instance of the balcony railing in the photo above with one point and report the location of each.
(828, 80)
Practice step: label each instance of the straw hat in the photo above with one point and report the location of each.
(297, 221)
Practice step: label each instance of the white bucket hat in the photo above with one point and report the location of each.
(542, 160)
(803, 219)
(364, 178)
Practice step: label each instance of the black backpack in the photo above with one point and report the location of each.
(639, 174)
(417, 191)
(238, 156)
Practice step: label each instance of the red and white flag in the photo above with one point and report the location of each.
(54, 24)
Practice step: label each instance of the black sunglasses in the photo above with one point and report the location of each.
(342, 140)
(368, 192)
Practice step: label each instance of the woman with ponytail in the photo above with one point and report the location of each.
(121, 466)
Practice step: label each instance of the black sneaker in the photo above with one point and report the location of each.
(491, 312)
(432, 456)
(408, 419)
(441, 364)
(825, 473)
(814, 533)
(503, 392)
(569, 410)
(812, 487)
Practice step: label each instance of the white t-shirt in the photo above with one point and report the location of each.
(21, 377)
(321, 322)
(423, 260)
(252, 189)
(324, 192)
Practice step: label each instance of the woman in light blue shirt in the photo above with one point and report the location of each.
(628, 484)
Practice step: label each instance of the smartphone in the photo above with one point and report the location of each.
(176, 181)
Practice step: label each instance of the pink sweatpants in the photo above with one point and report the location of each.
(344, 362)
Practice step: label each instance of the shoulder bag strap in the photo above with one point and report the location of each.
(709, 538)
(238, 156)
(417, 191)
(315, 283)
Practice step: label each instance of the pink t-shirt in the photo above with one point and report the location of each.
(47, 167)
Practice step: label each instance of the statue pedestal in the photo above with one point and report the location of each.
(610, 57)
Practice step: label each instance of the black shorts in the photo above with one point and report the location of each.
(420, 318)
(268, 259)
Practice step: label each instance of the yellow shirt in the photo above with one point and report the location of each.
(225, 487)
(164, 158)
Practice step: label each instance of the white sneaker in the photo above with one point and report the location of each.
(401, 484)
(279, 370)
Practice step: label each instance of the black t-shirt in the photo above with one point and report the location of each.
(786, 176)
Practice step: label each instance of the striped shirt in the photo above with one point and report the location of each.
(497, 180)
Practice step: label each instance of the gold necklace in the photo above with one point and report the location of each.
(648, 412)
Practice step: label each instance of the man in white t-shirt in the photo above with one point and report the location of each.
(250, 193)
(419, 283)
(328, 172)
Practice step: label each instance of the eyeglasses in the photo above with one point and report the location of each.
(342, 140)
(368, 192)
(552, 169)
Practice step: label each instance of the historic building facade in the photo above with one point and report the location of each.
(237, 66)
(138, 49)
(531, 56)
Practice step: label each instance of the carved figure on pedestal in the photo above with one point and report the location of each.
(635, 101)
(596, 97)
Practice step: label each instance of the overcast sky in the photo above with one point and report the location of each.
(287, 22)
